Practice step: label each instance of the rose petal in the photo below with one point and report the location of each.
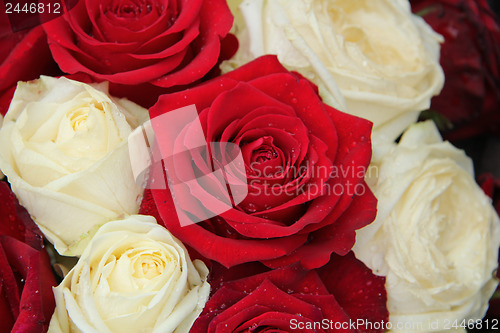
(24, 56)
(9, 286)
(358, 291)
(215, 246)
(15, 220)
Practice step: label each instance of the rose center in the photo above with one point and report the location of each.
(78, 119)
(132, 9)
(262, 157)
(264, 154)
(128, 10)
(148, 266)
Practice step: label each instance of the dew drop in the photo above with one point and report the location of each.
(251, 208)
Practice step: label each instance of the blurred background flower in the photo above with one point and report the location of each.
(470, 57)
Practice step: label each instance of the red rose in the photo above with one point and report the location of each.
(304, 163)
(470, 57)
(164, 43)
(292, 299)
(26, 299)
(24, 55)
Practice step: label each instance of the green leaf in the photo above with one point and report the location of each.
(427, 10)
(442, 123)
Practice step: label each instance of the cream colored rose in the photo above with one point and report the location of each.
(134, 276)
(375, 53)
(436, 235)
(63, 147)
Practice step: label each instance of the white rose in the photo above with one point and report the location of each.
(384, 59)
(134, 276)
(63, 147)
(436, 235)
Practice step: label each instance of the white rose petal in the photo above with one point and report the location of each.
(134, 276)
(63, 147)
(436, 235)
(371, 58)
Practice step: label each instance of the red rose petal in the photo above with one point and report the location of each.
(280, 322)
(9, 286)
(5, 99)
(24, 57)
(214, 247)
(262, 66)
(6, 317)
(338, 237)
(26, 277)
(15, 220)
(138, 26)
(293, 279)
(267, 294)
(307, 105)
(277, 300)
(226, 298)
(37, 301)
(359, 292)
(243, 99)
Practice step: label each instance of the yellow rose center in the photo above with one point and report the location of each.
(148, 266)
(138, 268)
(78, 118)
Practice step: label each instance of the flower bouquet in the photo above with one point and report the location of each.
(249, 166)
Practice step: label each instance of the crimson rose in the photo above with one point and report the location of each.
(470, 57)
(304, 164)
(292, 299)
(26, 278)
(164, 43)
(24, 55)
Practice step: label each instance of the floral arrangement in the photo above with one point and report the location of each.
(249, 166)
